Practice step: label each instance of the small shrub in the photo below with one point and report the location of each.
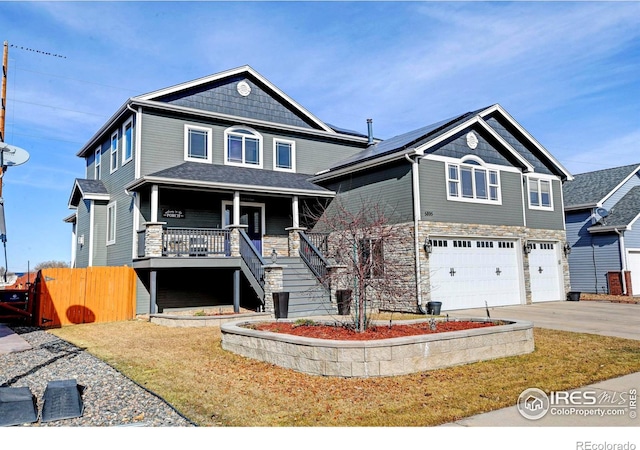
(199, 313)
(304, 323)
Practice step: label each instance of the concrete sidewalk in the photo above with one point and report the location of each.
(603, 318)
(11, 342)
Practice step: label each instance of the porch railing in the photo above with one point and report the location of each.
(252, 258)
(195, 242)
(313, 258)
(320, 241)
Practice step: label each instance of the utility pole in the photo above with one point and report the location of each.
(3, 107)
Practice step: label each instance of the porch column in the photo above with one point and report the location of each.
(236, 291)
(272, 283)
(153, 292)
(236, 208)
(294, 212)
(294, 241)
(338, 280)
(153, 239)
(234, 240)
(154, 203)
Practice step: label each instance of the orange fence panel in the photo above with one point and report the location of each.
(92, 294)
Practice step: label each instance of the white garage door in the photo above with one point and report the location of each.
(466, 273)
(544, 272)
(633, 261)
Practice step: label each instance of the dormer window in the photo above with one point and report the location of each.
(471, 181)
(243, 147)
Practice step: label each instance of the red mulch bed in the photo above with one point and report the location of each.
(341, 332)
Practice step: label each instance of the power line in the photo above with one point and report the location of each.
(37, 51)
(47, 138)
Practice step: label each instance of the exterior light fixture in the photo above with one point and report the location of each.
(526, 248)
(274, 256)
(427, 246)
(567, 249)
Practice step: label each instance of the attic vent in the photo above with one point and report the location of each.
(243, 88)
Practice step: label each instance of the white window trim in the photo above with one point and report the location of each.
(125, 142)
(112, 207)
(483, 166)
(257, 135)
(112, 151)
(277, 141)
(209, 132)
(538, 179)
(98, 156)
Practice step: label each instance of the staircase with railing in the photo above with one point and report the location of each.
(252, 264)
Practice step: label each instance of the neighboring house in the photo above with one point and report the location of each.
(198, 185)
(601, 210)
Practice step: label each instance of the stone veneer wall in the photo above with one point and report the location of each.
(379, 358)
(427, 229)
(399, 252)
(279, 243)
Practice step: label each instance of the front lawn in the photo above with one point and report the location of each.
(212, 387)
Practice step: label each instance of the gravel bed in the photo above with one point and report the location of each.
(109, 398)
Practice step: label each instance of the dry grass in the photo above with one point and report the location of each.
(212, 387)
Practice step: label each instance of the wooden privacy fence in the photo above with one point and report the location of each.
(93, 294)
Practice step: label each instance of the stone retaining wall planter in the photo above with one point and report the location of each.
(379, 358)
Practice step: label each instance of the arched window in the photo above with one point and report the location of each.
(242, 147)
(471, 180)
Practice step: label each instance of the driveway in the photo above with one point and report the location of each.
(604, 318)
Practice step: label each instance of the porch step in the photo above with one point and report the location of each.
(307, 297)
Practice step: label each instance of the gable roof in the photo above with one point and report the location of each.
(246, 71)
(89, 190)
(214, 176)
(625, 212)
(285, 112)
(590, 189)
(418, 141)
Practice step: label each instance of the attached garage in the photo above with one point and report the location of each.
(633, 261)
(545, 272)
(467, 272)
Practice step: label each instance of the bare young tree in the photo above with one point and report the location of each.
(50, 265)
(375, 255)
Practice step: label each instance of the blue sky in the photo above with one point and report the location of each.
(567, 72)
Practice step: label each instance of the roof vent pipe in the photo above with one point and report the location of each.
(370, 131)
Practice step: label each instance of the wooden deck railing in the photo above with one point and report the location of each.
(195, 242)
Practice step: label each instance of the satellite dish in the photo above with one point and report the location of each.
(12, 155)
(602, 212)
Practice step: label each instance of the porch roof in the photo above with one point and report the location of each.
(215, 176)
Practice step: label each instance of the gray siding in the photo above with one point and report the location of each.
(163, 146)
(100, 233)
(435, 207)
(82, 251)
(527, 151)
(632, 237)
(223, 97)
(592, 255)
(548, 220)
(624, 190)
(388, 187)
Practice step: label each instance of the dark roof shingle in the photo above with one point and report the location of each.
(591, 187)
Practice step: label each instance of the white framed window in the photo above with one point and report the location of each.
(242, 147)
(98, 164)
(128, 141)
(114, 153)
(197, 144)
(111, 223)
(284, 155)
(471, 181)
(540, 195)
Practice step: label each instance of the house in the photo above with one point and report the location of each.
(200, 187)
(601, 210)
